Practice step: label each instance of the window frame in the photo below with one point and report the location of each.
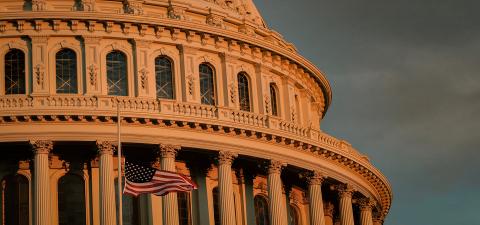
(273, 86)
(248, 91)
(25, 71)
(127, 73)
(78, 74)
(172, 76)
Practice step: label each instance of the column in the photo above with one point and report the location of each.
(278, 210)
(346, 210)
(225, 188)
(41, 182)
(108, 208)
(170, 202)
(366, 205)
(317, 216)
(199, 169)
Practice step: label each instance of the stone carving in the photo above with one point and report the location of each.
(175, 12)
(109, 27)
(87, 5)
(39, 5)
(134, 7)
(20, 25)
(74, 25)
(91, 25)
(275, 166)
(329, 209)
(366, 204)
(143, 77)
(169, 151)
(233, 92)
(267, 103)
(41, 146)
(40, 74)
(56, 25)
(215, 20)
(3, 26)
(105, 147)
(38, 25)
(190, 82)
(226, 157)
(92, 72)
(345, 190)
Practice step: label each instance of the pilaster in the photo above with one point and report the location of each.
(92, 63)
(40, 81)
(189, 74)
(145, 76)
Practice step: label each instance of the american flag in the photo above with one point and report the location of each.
(147, 180)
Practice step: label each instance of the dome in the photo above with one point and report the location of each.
(203, 88)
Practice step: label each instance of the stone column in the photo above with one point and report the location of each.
(41, 182)
(108, 210)
(366, 205)
(278, 210)
(317, 216)
(346, 210)
(225, 188)
(170, 202)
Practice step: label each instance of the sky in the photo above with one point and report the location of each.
(405, 77)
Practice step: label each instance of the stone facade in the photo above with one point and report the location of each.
(234, 154)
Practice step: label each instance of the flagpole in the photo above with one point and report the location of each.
(119, 144)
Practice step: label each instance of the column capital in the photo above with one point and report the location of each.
(275, 166)
(226, 157)
(41, 146)
(168, 150)
(105, 147)
(366, 204)
(345, 190)
(315, 177)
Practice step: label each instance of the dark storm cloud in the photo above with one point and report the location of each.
(406, 91)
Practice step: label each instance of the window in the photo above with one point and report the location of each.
(261, 210)
(243, 92)
(273, 99)
(184, 208)
(71, 192)
(15, 195)
(216, 207)
(66, 71)
(15, 72)
(294, 215)
(207, 90)
(130, 207)
(164, 77)
(117, 73)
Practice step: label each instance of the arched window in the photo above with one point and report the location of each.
(261, 211)
(15, 195)
(184, 213)
(15, 72)
(71, 192)
(216, 207)
(243, 92)
(273, 99)
(66, 71)
(130, 207)
(117, 73)
(294, 215)
(164, 77)
(207, 88)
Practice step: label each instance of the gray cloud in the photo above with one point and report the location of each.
(406, 91)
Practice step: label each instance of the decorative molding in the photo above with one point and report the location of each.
(134, 7)
(316, 178)
(191, 84)
(92, 74)
(87, 5)
(41, 146)
(215, 20)
(168, 150)
(39, 5)
(226, 157)
(40, 74)
(143, 77)
(345, 190)
(176, 12)
(233, 92)
(366, 204)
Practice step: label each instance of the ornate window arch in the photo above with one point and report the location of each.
(15, 72)
(207, 84)
(274, 99)
(164, 77)
(117, 79)
(261, 210)
(294, 215)
(130, 207)
(66, 71)
(71, 192)
(184, 205)
(243, 92)
(16, 199)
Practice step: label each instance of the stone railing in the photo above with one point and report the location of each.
(163, 109)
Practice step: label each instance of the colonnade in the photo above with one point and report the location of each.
(278, 210)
